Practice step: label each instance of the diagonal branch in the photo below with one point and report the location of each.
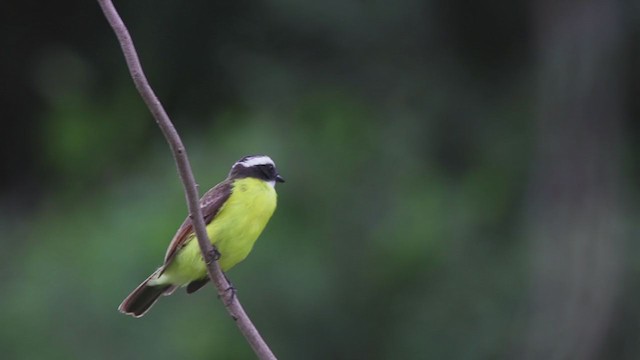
(231, 301)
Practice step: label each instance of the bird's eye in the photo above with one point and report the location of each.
(267, 169)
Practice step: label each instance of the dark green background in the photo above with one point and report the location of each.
(462, 177)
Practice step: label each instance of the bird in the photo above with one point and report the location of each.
(235, 212)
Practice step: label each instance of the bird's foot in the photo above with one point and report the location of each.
(214, 255)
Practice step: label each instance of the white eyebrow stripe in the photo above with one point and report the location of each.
(259, 160)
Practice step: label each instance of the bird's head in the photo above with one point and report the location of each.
(256, 166)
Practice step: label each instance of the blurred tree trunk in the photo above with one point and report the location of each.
(574, 198)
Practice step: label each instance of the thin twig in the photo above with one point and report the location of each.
(186, 175)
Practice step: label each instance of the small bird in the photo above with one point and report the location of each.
(235, 212)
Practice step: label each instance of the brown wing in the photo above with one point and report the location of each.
(210, 204)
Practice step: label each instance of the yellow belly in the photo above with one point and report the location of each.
(233, 231)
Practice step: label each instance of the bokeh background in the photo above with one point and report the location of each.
(462, 177)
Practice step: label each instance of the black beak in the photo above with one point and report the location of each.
(279, 179)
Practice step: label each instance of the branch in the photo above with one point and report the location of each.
(186, 175)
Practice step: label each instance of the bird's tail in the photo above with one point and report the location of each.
(144, 296)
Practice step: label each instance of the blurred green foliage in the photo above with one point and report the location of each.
(406, 138)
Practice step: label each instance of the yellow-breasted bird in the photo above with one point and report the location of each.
(235, 211)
